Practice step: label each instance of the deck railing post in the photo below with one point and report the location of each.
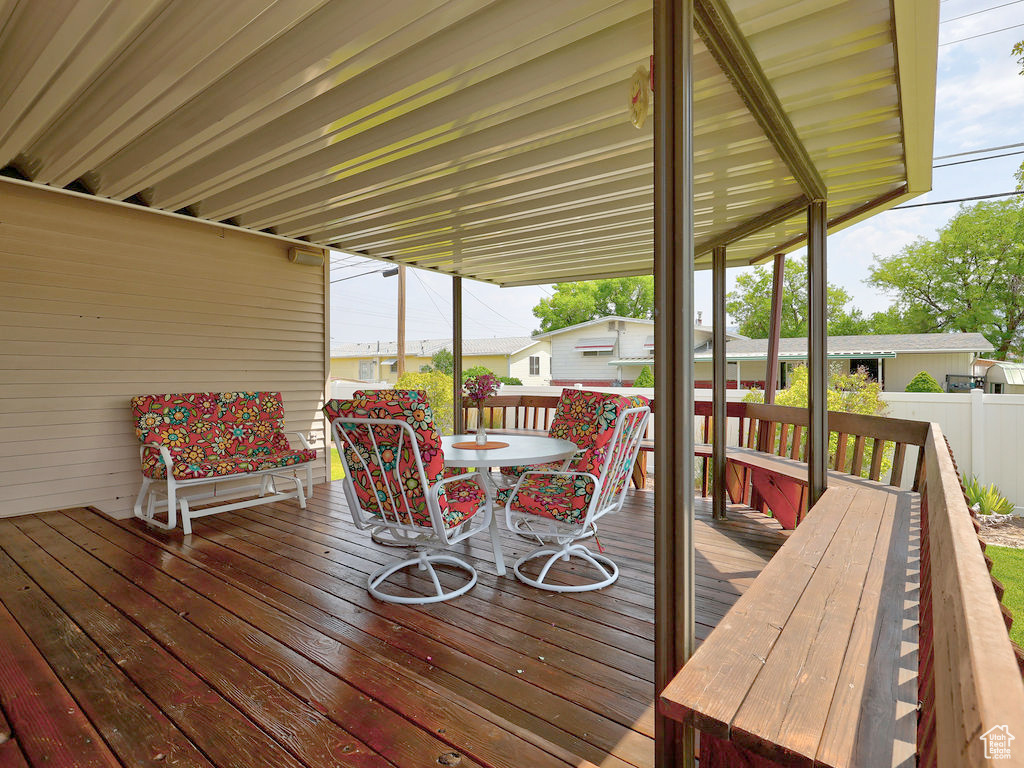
(817, 344)
(673, 344)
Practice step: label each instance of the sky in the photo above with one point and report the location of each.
(979, 105)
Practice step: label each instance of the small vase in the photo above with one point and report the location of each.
(481, 433)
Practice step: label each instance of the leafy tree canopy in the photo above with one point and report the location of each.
(750, 304)
(969, 279)
(574, 303)
(645, 378)
(443, 361)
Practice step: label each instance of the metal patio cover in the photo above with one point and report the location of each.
(490, 140)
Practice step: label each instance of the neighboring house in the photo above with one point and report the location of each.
(521, 357)
(891, 359)
(607, 351)
(1004, 378)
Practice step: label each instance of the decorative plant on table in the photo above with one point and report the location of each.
(479, 388)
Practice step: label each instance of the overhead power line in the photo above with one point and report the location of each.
(958, 200)
(983, 10)
(979, 159)
(979, 151)
(353, 277)
(980, 34)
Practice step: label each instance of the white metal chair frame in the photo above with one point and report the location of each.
(630, 428)
(399, 523)
(175, 499)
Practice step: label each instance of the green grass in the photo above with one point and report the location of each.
(1009, 569)
(337, 470)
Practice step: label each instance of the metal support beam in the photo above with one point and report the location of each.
(673, 344)
(401, 320)
(719, 383)
(771, 376)
(458, 426)
(817, 348)
(724, 40)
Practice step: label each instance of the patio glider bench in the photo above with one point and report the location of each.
(204, 438)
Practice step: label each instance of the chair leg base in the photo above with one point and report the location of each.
(608, 569)
(423, 561)
(522, 527)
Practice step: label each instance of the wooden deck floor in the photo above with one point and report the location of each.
(255, 643)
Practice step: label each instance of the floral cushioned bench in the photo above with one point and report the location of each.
(209, 437)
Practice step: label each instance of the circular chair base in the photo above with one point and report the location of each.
(608, 569)
(386, 537)
(424, 562)
(521, 527)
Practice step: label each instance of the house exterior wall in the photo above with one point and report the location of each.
(519, 366)
(569, 365)
(99, 303)
(899, 370)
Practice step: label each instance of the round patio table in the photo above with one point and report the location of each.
(521, 450)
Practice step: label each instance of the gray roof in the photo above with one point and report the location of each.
(857, 346)
(505, 345)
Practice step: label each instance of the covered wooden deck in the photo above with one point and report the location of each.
(255, 643)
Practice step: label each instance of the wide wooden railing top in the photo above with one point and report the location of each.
(969, 682)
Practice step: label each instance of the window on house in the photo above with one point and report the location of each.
(535, 365)
(597, 353)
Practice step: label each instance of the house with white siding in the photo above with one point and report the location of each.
(607, 351)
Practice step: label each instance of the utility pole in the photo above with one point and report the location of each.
(401, 319)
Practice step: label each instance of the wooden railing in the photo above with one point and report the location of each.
(860, 445)
(512, 412)
(969, 680)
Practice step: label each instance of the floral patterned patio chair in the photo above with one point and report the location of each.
(203, 438)
(394, 482)
(561, 507)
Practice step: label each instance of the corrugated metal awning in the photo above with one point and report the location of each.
(633, 361)
(649, 342)
(596, 344)
(485, 139)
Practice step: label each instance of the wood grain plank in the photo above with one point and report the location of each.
(711, 688)
(784, 711)
(51, 728)
(286, 717)
(130, 723)
(215, 726)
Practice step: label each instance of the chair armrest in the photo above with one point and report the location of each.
(302, 439)
(165, 455)
(478, 476)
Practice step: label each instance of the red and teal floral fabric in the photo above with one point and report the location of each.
(391, 487)
(214, 434)
(587, 419)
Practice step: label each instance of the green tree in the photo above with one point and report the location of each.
(574, 303)
(438, 387)
(923, 382)
(645, 378)
(443, 361)
(971, 278)
(476, 370)
(750, 304)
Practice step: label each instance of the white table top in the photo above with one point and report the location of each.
(522, 449)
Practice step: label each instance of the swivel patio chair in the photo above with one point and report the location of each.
(561, 507)
(394, 483)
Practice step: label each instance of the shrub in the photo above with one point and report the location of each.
(438, 387)
(848, 393)
(511, 381)
(645, 378)
(987, 499)
(476, 370)
(924, 382)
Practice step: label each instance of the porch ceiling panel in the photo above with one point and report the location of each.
(485, 139)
